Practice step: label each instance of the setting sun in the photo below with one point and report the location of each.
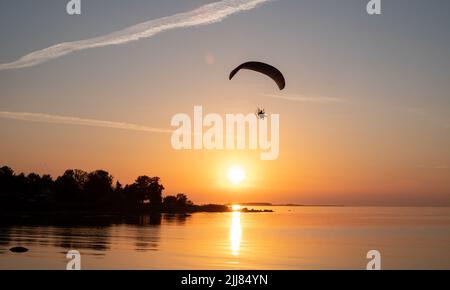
(236, 175)
(279, 136)
(236, 207)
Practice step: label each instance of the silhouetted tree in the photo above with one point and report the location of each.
(156, 189)
(70, 185)
(170, 202)
(21, 186)
(77, 189)
(98, 188)
(6, 180)
(33, 182)
(146, 189)
(118, 187)
(182, 200)
(47, 183)
(39, 189)
(7, 186)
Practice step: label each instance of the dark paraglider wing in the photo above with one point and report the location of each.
(263, 68)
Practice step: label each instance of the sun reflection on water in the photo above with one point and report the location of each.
(235, 233)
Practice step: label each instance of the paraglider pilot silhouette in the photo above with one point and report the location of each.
(233, 131)
(260, 113)
(266, 69)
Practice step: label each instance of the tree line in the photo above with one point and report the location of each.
(80, 190)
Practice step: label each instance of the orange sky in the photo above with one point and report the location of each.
(363, 118)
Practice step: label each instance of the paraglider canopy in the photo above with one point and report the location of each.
(263, 68)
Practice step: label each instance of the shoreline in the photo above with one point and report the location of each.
(208, 208)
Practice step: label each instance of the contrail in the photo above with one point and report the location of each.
(206, 14)
(56, 119)
(305, 99)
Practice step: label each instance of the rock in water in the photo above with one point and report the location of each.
(18, 250)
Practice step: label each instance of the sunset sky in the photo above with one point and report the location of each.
(364, 118)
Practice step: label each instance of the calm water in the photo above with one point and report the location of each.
(289, 238)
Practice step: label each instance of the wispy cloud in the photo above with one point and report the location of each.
(56, 119)
(206, 14)
(437, 167)
(305, 99)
